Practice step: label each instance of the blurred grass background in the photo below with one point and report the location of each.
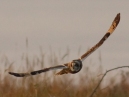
(49, 85)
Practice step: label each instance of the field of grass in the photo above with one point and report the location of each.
(49, 85)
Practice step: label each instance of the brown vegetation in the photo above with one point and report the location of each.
(49, 85)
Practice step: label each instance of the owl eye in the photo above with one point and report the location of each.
(75, 66)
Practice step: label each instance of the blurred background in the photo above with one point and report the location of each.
(61, 25)
(53, 32)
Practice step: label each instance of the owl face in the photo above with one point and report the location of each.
(76, 65)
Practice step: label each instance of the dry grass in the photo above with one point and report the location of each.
(48, 85)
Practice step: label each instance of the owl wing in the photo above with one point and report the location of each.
(109, 32)
(38, 71)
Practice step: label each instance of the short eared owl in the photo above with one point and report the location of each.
(75, 65)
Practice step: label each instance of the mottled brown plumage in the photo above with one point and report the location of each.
(76, 65)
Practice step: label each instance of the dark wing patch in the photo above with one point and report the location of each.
(37, 72)
(19, 74)
(109, 32)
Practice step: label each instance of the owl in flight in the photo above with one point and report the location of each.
(75, 65)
